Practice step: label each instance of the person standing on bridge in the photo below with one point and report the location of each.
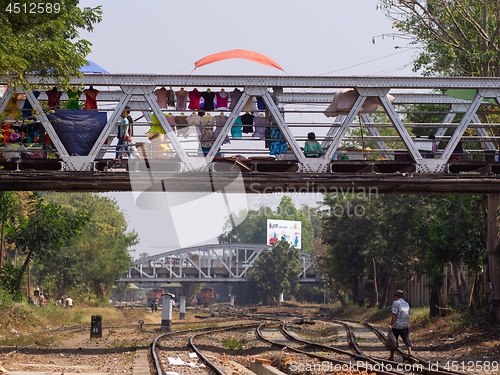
(123, 136)
(400, 322)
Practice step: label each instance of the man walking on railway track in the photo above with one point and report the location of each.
(400, 322)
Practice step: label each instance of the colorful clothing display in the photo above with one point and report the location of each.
(247, 121)
(236, 131)
(260, 127)
(73, 99)
(194, 99)
(208, 97)
(170, 98)
(91, 98)
(54, 97)
(222, 99)
(280, 146)
(161, 97)
(181, 96)
(261, 106)
(27, 110)
(235, 97)
(220, 121)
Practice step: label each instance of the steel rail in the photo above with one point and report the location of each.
(209, 363)
(317, 356)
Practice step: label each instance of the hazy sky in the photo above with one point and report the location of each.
(314, 37)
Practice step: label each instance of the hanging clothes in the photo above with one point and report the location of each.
(161, 97)
(182, 125)
(12, 108)
(222, 99)
(209, 97)
(170, 98)
(220, 121)
(235, 96)
(194, 99)
(277, 147)
(260, 123)
(27, 110)
(247, 121)
(237, 130)
(73, 99)
(261, 105)
(181, 97)
(54, 98)
(91, 98)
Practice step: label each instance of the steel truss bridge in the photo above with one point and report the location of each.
(227, 263)
(295, 106)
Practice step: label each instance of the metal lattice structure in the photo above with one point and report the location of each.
(208, 264)
(288, 99)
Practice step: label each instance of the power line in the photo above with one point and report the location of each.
(366, 62)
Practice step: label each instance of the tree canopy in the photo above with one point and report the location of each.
(454, 37)
(44, 37)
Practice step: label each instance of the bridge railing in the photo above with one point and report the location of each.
(294, 106)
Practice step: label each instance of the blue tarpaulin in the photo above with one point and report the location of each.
(92, 67)
(78, 129)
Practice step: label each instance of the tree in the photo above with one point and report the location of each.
(43, 231)
(456, 37)
(92, 260)
(46, 42)
(276, 271)
(7, 210)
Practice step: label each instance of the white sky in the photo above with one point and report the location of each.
(313, 37)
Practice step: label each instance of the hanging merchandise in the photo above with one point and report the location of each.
(222, 99)
(170, 97)
(54, 97)
(161, 97)
(27, 110)
(261, 106)
(208, 96)
(260, 123)
(247, 121)
(182, 125)
(91, 98)
(220, 121)
(73, 99)
(194, 99)
(235, 96)
(181, 97)
(12, 108)
(236, 131)
(280, 146)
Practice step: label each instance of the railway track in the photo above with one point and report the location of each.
(294, 343)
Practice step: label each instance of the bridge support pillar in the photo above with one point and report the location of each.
(187, 290)
(182, 314)
(166, 311)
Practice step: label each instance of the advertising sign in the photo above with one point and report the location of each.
(286, 229)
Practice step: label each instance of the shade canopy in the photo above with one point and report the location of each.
(238, 54)
(92, 67)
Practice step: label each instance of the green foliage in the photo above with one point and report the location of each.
(456, 38)
(44, 42)
(276, 271)
(89, 263)
(253, 229)
(233, 343)
(9, 281)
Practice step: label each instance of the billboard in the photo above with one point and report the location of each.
(287, 229)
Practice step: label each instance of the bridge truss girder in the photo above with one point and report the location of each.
(141, 88)
(201, 264)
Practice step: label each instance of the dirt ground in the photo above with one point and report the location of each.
(115, 353)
